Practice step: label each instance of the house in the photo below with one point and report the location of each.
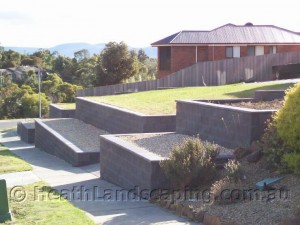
(185, 48)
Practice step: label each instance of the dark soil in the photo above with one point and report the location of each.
(267, 105)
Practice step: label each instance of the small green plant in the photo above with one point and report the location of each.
(234, 170)
(288, 119)
(191, 163)
(293, 162)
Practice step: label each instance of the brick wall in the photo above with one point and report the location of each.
(244, 51)
(202, 53)
(184, 56)
(288, 48)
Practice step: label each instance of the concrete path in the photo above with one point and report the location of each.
(104, 202)
(4, 124)
(19, 178)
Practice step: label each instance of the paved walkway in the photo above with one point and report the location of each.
(104, 202)
(4, 124)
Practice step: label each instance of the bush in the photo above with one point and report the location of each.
(225, 191)
(293, 162)
(234, 170)
(191, 163)
(288, 119)
(273, 147)
(30, 105)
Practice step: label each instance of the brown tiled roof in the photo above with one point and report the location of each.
(234, 34)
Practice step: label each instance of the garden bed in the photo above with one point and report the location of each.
(66, 110)
(270, 207)
(69, 139)
(134, 160)
(121, 121)
(226, 125)
(260, 105)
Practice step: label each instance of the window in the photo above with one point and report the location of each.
(236, 52)
(272, 50)
(165, 58)
(233, 51)
(251, 50)
(229, 52)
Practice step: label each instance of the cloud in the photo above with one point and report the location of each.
(14, 17)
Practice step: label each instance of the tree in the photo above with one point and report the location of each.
(81, 55)
(68, 91)
(50, 87)
(65, 67)
(10, 105)
(142, 56)
(30, 105)
(116, 64)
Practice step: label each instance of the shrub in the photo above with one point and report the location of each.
(288, 119)
(234, 170)
(225, 191)
(293, 162)
(273, 146)
(191, 163)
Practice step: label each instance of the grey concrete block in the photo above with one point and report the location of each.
(26, 130)
(268, 95)
(57, 112)
(225, 125)
(52, 142)
(120, 121)
(129, 166)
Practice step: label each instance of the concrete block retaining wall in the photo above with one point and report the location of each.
(57, 112)
(269, 95)
(52, 142)
(26, 130)
(128, 166)
(116, 120)
(225, 125)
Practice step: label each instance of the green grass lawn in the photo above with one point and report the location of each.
(10, 163)
(66, 105)
(163, 101)
(53, 210)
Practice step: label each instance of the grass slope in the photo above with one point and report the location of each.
(163, 101)
(66, 105)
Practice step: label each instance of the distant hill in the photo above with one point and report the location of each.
(68, 49)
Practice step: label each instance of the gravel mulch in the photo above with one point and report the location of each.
(269, 208)
(84, 136)
(160, 144)
(263, 105)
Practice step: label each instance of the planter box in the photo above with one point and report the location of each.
(120, 121)
(225, 125)
(57, 112)
(26, 130)
(129, 166)
(52, 142)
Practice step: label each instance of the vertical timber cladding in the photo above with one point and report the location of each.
(244, 69)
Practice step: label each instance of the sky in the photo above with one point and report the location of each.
(46, 23)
